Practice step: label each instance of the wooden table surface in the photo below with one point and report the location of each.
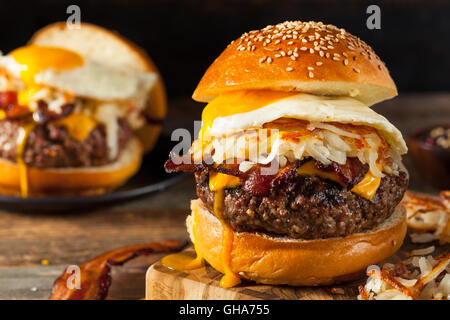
(26, 239)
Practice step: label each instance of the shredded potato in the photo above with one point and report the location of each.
(403, 282)
(324, 142)
(429, 215)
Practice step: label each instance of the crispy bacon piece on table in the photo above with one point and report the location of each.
(95, 274)
(256, 182)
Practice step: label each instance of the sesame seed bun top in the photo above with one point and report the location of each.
(299, 56)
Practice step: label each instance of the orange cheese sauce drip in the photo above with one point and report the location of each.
(183, 261)
(230, 278)
(218, 182)
(23, 169)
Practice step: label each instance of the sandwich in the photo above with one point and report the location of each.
(78, 110)
(299, 181)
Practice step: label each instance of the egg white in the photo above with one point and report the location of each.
(316, 109)
(93, 80)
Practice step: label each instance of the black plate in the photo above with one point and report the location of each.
(150, 178)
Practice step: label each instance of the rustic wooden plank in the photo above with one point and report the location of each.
(28, 283)
(35, 283)
(27, 239)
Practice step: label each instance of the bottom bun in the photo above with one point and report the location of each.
(73, 181)
(279, 260)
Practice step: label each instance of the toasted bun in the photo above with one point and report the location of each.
(306, 57)
(73, 181)
(110, 48)
(272, 260)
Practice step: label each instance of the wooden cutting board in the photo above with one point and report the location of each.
(163, 283)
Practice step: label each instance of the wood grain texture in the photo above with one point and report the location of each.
(163, 283)
(27, 239)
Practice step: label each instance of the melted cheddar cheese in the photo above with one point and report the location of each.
(78, 125)
(219, 181)
(366, 188)
(23, 169)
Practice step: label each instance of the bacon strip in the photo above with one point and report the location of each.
(9, 104)
(95, 274)
(349, 173)
(259, 184)
(45, 115)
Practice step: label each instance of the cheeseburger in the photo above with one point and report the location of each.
(78, 109)
(298, 180)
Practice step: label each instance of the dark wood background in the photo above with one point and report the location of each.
(184, 36)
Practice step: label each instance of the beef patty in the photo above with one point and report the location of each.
(306, 207)
(51, 146)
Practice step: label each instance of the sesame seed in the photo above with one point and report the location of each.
(269, 60)
(310, 74)
(319, 63)
(293, 57)
(277, 55)
(356, 70)
(310, 68)
(289, 69)
(262, 59)
(322, 36)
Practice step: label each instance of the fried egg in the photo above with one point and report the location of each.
(241, 110)
(39, 67)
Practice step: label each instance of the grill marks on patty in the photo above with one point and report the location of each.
(306, 207)
(51, 146)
